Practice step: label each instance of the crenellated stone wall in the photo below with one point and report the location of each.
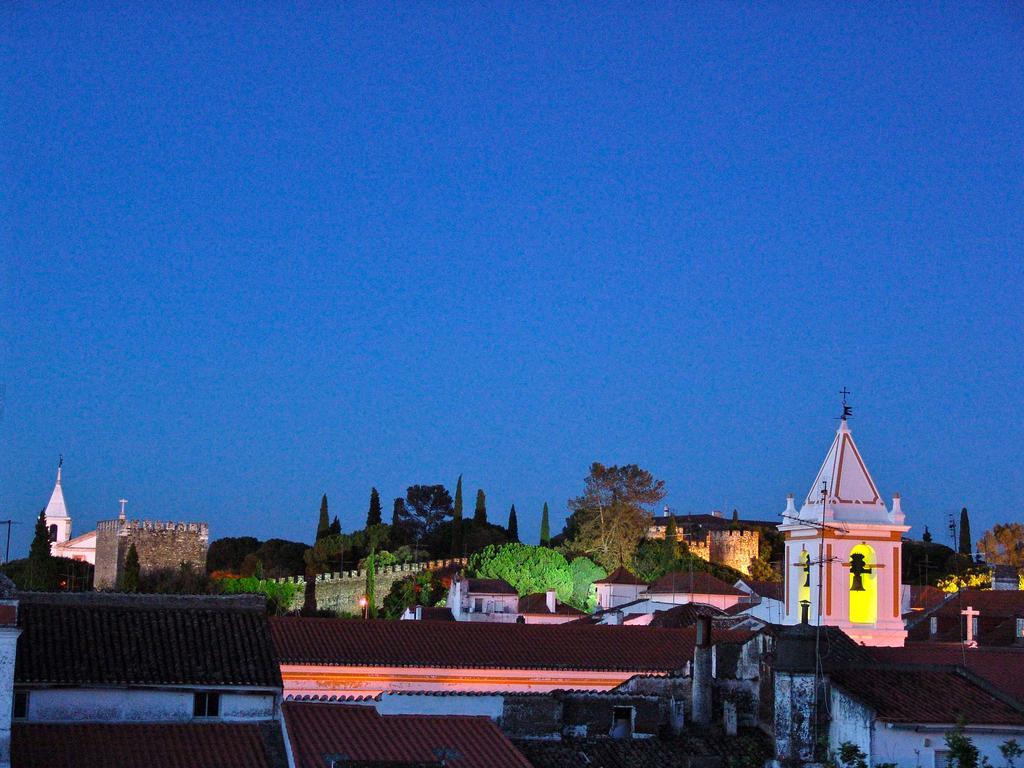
(159, 545)
(734, 548)
(340, 591)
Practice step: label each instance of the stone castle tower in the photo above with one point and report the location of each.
(159, 545)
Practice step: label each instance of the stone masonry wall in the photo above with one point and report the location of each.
(159, 545)
(734, 548)
(340, 591)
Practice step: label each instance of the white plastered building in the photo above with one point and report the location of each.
(58, 524)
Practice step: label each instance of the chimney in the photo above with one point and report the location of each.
(790, 507)
(9, 632)
(614, 618)
(419, 613)
(701, 682)
(551, 601)
(897, 511)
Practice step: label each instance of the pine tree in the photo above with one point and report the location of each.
(735, 524)
(966, 545)
(671, 540)
(480, 512)
(130, 577)
(323, 528)
(457, 521)
(545, 528)
(926, 537)
(41, 565)
(373, 515)
(513, 525)
(398, 536)
(335, 529)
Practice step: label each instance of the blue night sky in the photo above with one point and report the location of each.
(251, 255)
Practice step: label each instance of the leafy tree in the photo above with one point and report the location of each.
(335, 528)
(1003, 544)
(130, 577)
(545, 528)
(41, 571)
(926, 537)
(457, 548)
(966, 545)
(423, 588)
(1011, 750)
(250, 565)
(373, 515)
(376, 535)
(612, 514)
(762, 570)
(426, 506)
(323, 527)
(480, 511)
(281, 557)
(513, 525)
(528, 569)
(671, 539)
(962, 751)
(973, 578)
(475, 536)
(399, 528)
(280, 595)
(228, 553)
(584, 573)
(186, 579)
(650, 562)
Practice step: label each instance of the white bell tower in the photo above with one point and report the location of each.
(843, 550)
(58, 524)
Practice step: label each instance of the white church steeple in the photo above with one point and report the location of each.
(843, 550)
(58, 523)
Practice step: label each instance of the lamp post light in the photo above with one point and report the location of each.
(364, 604)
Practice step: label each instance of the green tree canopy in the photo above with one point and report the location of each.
(613, 514)
(1003, 544)
(480, 511)
(426, 506)
(41, 572)
(584, 573)
(528, 569)
(545, 527)
(323, 527)
(130, 576)
(671, 539)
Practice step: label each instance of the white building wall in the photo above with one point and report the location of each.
(112, 705)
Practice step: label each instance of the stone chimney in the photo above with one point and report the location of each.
(896, 515)
(551, 601)
(701, 688)
(419, 613)
(9, 632)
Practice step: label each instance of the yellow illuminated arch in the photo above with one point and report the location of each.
(864, 601)
(804, 576)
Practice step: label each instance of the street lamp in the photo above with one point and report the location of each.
(364, 604)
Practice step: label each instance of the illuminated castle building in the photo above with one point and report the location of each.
(843, 551)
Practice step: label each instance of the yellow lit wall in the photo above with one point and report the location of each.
(864, 605)
(802, 574)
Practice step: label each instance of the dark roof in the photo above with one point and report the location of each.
(768, 589)
(699, 583)
(919, 695)
(95, 638)
(999, 603)
(925, 596)
(434, 614)
(1001, 667)
(999, 611)
(621, 576)
(798, 645)
(683, 615)
(715, 522)
(163, 745)
(490, 587)
(538, 603)
(358, 734)
(481, 645)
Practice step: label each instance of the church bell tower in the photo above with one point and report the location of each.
(843, 550)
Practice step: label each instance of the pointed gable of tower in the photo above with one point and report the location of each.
(56, 507)
(844, 474)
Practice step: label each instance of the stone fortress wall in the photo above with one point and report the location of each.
(159, 545)
(340, 591)
(734, 548)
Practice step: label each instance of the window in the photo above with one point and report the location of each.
(53, 533)
(622, 723)
(941, 758)
(20, 705)
(1020, 629)
(933, 625)
(478, 605)
(974, 627)
(206, 704)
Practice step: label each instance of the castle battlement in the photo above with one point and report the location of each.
(359, 574)
(126, 527)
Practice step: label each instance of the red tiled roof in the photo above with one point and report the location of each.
(925, 596)
(991, 602)
(481, 645)
(925, 696)
(621, 576)
(490, 587)
(322, 733)
(117, 639)
(1001, 667)
(163, 745)
(538, 603)
(699, 583)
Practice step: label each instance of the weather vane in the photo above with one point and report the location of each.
(847, 410)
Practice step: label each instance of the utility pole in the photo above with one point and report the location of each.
(7, 551)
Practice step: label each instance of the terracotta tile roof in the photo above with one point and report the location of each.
(699, 583)
(795, 648)
(919, 695)
(991, 602)
(320, 733)
(999, 611)
(1001, 667)
(95, 638)
(538, 603)
(621, 576)
(164, 745)
(490, 587)
(480, 645)
(925, 596)
(683, 615)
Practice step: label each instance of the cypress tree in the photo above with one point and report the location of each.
(335, 529)
(966, 545)
(735, 524)
(323, 528)
(545, 528)
(130, 577)
(457, 521)
(927, 536)
(513, 525)
(397, 529)
(41, 565)
(371, 583)
(480, 512)
(671, 540)
(373, 515)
